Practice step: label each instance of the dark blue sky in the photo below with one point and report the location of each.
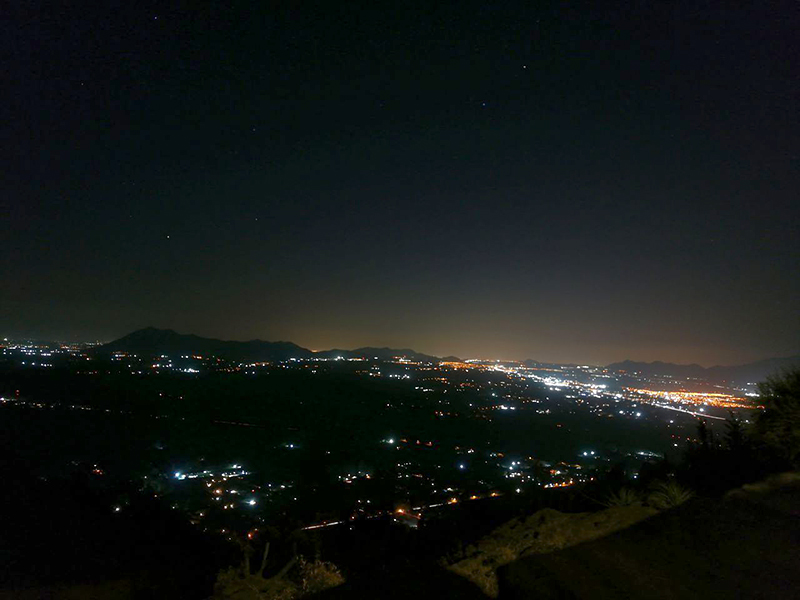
(561, 181)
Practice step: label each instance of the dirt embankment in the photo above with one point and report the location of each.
(544, 531)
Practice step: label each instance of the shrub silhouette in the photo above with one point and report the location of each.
(624, 497)
(318, 575)
(778, 426)
(668, 494)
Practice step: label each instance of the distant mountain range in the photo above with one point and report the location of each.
(153, 342)
(381, 354)
(749, 373)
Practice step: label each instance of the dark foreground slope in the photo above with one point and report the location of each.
(746, 546)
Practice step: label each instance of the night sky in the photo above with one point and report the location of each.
(558, 181)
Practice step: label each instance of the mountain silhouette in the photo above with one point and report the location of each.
(379, 353)
(741, 374)
(151, 341)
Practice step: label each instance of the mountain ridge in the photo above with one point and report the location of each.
(154, 341)
(746, 373)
